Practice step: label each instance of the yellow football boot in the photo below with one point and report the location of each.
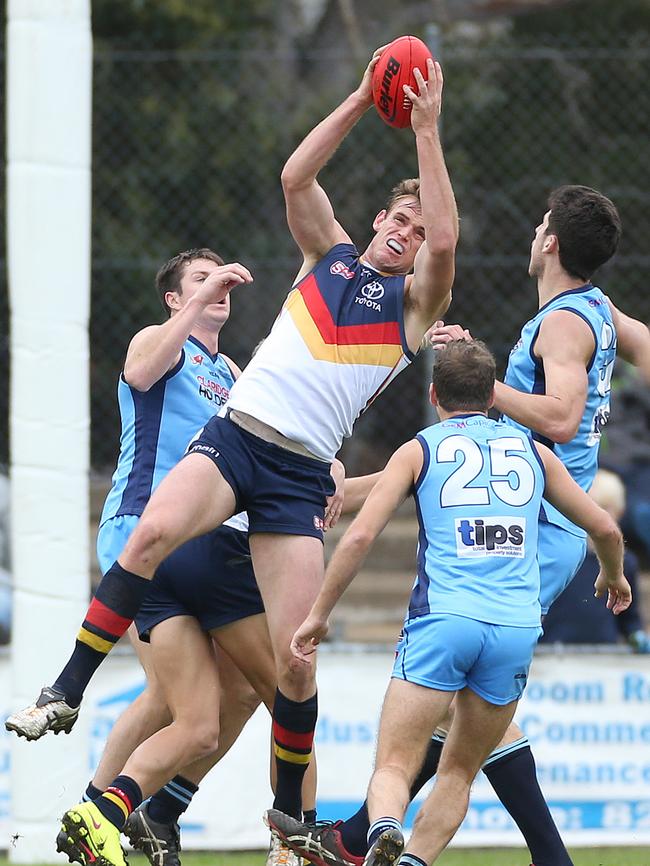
(87, 837)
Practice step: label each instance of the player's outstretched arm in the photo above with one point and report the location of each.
(393, 487)
(309, 212)
(429, 294)
(154, 350)
(569, 498)
(633, 341)
(357, 490)
(564, 346)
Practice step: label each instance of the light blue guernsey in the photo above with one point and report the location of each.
(478, 498)
(526, 373)
(158, 424)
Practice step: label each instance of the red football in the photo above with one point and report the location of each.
(394, 69)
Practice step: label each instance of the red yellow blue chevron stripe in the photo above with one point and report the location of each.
(377, 344)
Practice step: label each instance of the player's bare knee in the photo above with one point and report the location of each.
(296, 680)
(151, 540)
(204, 737)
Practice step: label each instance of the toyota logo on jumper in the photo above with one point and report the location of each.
(373, 291)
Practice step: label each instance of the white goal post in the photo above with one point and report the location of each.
(49, 75)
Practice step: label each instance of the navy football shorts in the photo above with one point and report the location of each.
(281, 491)
(210, 578)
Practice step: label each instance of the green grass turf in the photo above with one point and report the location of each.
(457, 857)
(473, 857)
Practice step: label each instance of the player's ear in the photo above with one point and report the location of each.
(491, 400)
(550, 244)
(381, 216)
(173, 301)
(433, 397)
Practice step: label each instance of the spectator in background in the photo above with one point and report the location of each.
(626, 450)
(578, 617)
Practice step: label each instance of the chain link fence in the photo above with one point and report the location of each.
(188, 147)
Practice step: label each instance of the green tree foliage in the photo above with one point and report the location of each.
(177, 24)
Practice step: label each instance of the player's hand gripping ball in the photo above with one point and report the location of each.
(394, 69)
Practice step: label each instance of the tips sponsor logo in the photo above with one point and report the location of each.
(501, 536)
(340, 269)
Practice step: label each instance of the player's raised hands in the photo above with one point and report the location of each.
(427, 102)
(619, 592)
(440, 334)
(221, 281)
(364, 90)
(307, 638)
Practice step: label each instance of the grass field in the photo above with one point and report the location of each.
(458, 857)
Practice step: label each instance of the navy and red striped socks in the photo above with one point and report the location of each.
(294, 723)
(117, 600)
(121, 798)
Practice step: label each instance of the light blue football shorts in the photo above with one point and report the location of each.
(111, 538)
(559, 554)
(449, 652)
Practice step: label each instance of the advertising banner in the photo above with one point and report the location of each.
(586, 716)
